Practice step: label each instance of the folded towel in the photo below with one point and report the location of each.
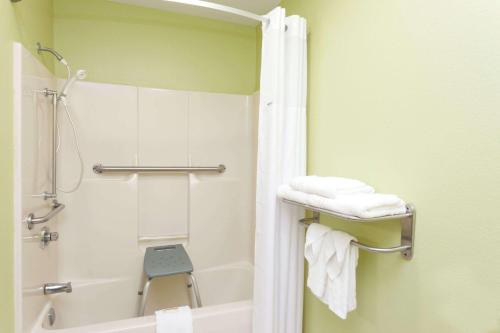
(370, 205)
(329, 187)
(363, 205)
(176, 320)
(332, 268)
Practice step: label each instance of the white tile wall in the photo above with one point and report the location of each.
(108, 220)
(220, 133)
(163, 140)
(99, 230)
(106, 119)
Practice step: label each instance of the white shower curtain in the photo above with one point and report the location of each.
(279, 237)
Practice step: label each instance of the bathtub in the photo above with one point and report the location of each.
(110, 305)
(230, 317)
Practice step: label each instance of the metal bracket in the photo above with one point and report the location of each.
(408, 233)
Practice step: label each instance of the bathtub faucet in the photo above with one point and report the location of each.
(56, 288)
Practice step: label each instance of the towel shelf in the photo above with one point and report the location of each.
(407, 227)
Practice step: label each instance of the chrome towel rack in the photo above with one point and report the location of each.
(406, 248)
(100, 169)
(31, 220)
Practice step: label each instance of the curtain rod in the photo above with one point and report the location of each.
(222, 8)
(216, 6)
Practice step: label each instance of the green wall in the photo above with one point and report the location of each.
(125, 44)
(406, 96)
(28, 21)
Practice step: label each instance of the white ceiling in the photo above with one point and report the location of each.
(254, 6)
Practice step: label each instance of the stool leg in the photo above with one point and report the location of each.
(145, 292)
(189, 285)
(196, 290)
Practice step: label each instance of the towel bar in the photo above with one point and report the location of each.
(407, 227)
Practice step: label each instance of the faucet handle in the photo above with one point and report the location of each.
(46, 236)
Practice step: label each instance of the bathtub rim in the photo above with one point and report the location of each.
(137, 322)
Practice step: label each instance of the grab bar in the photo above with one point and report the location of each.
(31, 220)
(100, 169)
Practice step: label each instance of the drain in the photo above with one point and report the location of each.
(51, 316)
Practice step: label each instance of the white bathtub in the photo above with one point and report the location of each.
(109, 306)
(229, 317)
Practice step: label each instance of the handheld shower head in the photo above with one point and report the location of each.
(80, 74)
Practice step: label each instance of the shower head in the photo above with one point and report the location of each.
(80, 74)
(56, 54)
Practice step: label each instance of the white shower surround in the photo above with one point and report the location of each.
(110, 220)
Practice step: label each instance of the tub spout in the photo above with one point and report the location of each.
(56, 288)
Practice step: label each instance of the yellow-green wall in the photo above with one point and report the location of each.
(132, 45)
(405, 94)
(28, 22)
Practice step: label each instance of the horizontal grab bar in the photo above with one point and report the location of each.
(99, 169)
(31, 220)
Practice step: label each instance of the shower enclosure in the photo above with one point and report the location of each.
(113, 217)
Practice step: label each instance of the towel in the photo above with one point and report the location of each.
(368, 205)
(341, 271)
(316, 279)
(175, 320)
(363, 205)
(332, 268)
(329, 187)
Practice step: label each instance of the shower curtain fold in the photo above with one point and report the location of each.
(279, 238)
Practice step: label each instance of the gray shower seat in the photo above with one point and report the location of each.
(168, 260)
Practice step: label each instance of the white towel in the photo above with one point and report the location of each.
(175, 320)
(329, 187)
(332, 268)
(341, 270)
(317, 257)
(364, 205)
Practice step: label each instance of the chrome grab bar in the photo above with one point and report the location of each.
(100, 169)
(31, 220)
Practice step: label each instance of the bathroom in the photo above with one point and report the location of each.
(165, 137)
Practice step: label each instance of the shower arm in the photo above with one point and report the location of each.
(56, 54)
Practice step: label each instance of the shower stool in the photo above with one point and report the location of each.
(161, 261)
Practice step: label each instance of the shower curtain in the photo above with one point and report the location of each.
(279, 237)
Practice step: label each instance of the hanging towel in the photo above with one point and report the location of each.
(363, 205)
(175, 320)
(340, 289)
(329, 187)
(332, 268)
(317, 257)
